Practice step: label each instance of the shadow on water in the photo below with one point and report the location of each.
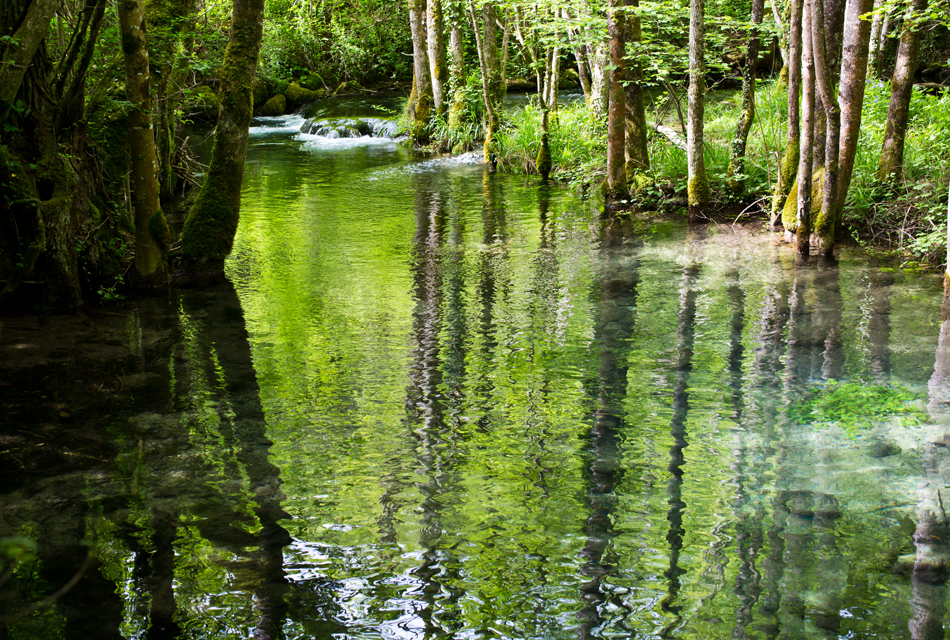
(189, 474)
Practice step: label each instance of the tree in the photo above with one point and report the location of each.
(789, 165)
(152, 237)
(735, 173)
(617, 110)
(209, 230)
(635, 136)
(890, 169)
(435, 34)
(698, 184)
(806, 148)
(420, 102)
(493, 87)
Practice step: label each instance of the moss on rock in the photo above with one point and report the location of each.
(276, 106)
(297, 96)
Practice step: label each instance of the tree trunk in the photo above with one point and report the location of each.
(698, 184)
(635, 136)
(152, 237)
(786, 172)
(21, 48)
(457, 66)
(420, 108)
(168, 21)
(806, 149)
(435, 34)
(824, 225)
(617, 110)
(735, 173)
(583, 70)
(598, 55)
(877, 23)
(854, 70)
(209, 231)
(493, 90)
(891, 167)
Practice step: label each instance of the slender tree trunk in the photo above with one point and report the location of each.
(787, 170)
(854, 70)
(806, 149)
(209, 231)
(598, 55)
(435, 34)
(783, 39)
(698, 184)
(457, 65)
(890, 170)
(877, 23)
(21, 48)
(735, 173)
(635, 136)
(617, 110)
(420, 109)
(493, 90)
(151, 231)
(583, 71)
(824, 225)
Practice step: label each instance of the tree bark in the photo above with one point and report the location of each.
(420, 107)
(152, 237)
(209, 230)
(890, 170)
(435, 34)
(854, 70)
(616, 114)
(786, 173)
(635, 136)
(735, 173)
(698, 184)
(493, 90)
(19, 52)
(877, 23)
(824, 225)
(457, 65)
(806, 149)
(598, 55)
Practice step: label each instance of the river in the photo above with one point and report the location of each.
(439, 402)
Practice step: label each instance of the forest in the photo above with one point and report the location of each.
(830, 122)
(476, 319)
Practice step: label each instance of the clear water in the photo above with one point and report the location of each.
(436, 402)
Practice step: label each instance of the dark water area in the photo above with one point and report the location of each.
(437, 402)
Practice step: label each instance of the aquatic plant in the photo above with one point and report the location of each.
(853, 406)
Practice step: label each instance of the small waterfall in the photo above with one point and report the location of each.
(350, 128)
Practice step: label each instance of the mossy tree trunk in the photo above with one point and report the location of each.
(616, 110)
(635, 135)
(420, 105)
(824, 61)
(169, 22)
(209, 230)
(890, 169)
(435, 40)
(457, 63)
(735, 173)
(493, 88)
(151, 231)
(786, 173)
(20, 49)
(874, 49)
(697, 187)
(806, 149)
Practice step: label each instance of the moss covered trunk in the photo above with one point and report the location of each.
(151, 231)
(890, 169)
(786, 174)
(209, 230)
(635, 136)
(169, 23)
(22, 45)
(493, 88)
(735, 172)
(435, 41)
(420, 104)
(697, 187)
(806, 150)
(616, 110)
(456, 65)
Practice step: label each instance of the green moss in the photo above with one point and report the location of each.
(790, 210)
(638, 181)
(158, 229)
(297, 96)
(697, 191)
(209, 230)
(263, 91)
(543, 161)
(312, 82)
(203, 102)
(276, 106)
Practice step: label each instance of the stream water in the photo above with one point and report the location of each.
(437, 402)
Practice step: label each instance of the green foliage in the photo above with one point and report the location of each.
(853, 406)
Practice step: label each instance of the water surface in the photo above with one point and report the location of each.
(437, 402)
